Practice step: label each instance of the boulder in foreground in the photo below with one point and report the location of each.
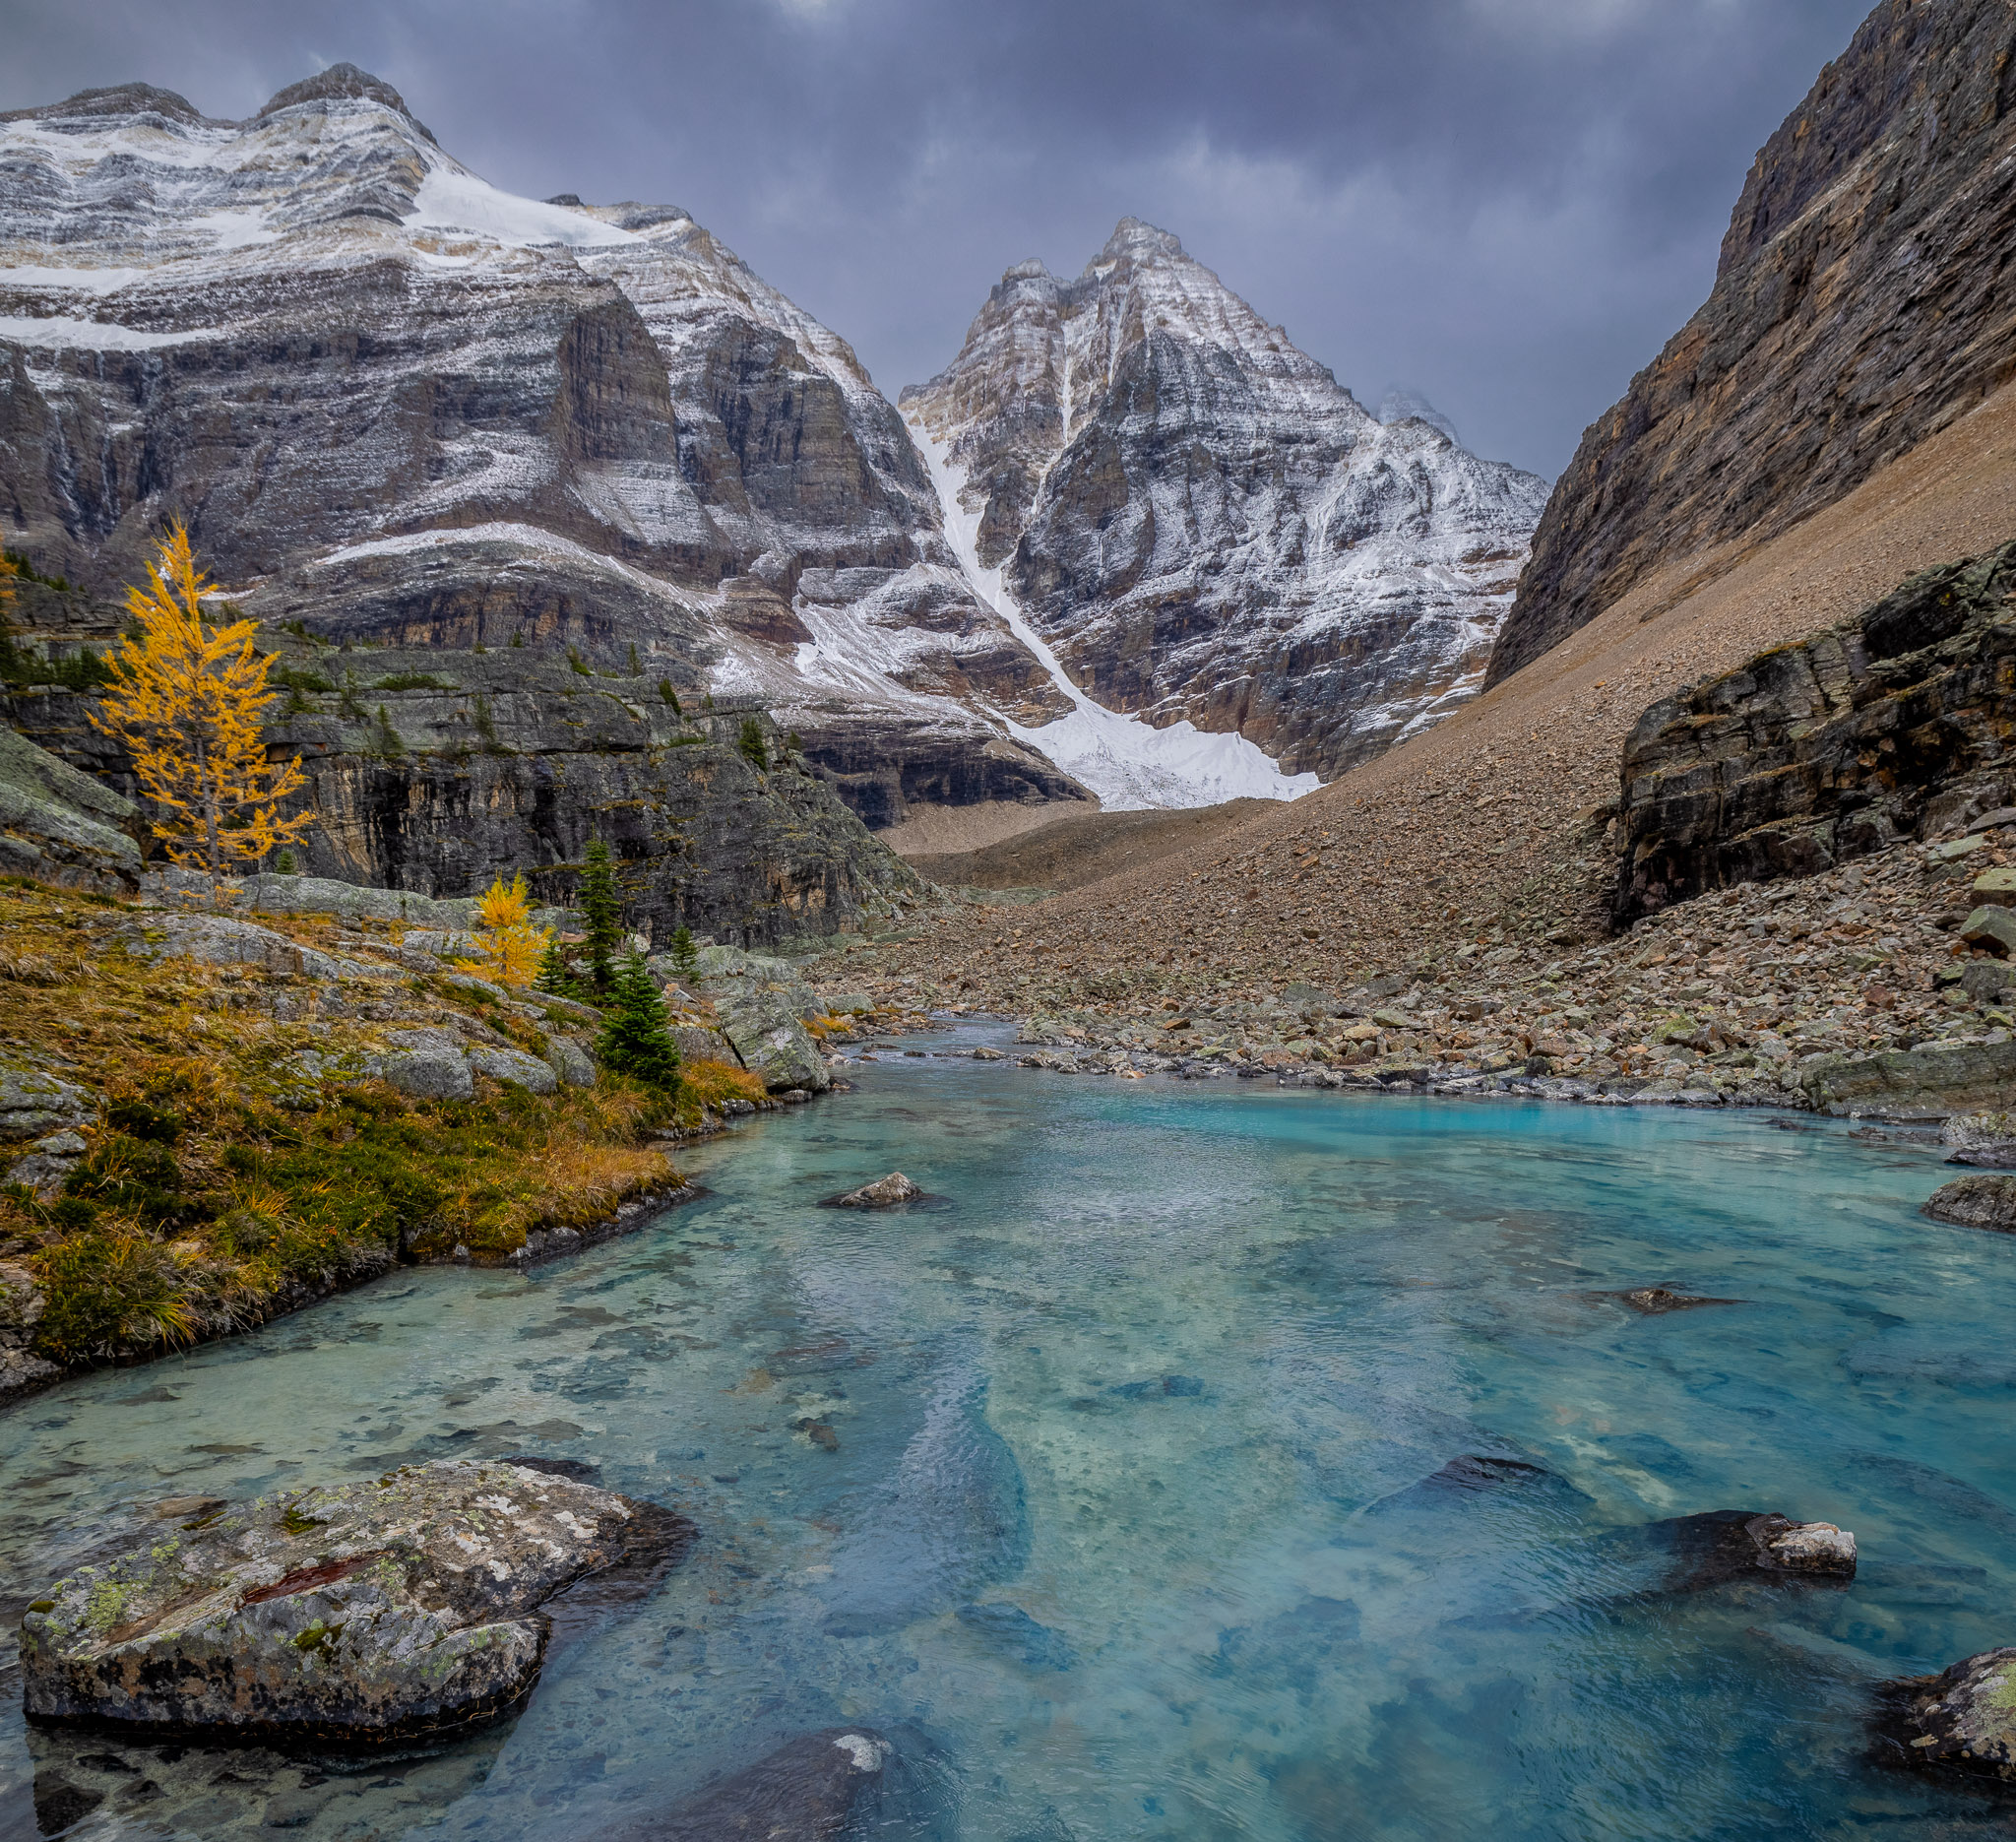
(1976, 1203)
(884, 1193)
(1737, 1544)
(1963, 1720)
(401, 1607)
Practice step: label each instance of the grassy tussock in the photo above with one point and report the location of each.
(708, 1083)
(211, 1198)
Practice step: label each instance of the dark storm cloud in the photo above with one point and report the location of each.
(1509, 204)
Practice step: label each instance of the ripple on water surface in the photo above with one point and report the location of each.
(1209, 1461)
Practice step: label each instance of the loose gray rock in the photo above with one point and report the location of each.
(1962, 1720)
(884, 1193)
(1976, 1203)
(1991, 926)
(570, 1061)
(399, 1608)
(34, 1104)
(48, 1161)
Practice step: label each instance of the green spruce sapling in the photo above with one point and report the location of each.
(634, 1039)
(685, 955)
(602, 910)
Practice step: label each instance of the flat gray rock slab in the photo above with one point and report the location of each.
(399, 1608)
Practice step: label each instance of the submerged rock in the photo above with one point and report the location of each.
(1012, 1633)
(810, 1787)
(1963, 1720)
(1739, 1544)
(1976, 1203)
(1652, 1301)
(401, 1607)
(884, 1193)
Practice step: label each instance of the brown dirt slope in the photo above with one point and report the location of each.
(1863, 300)
(1068, 854)
(1484, 821)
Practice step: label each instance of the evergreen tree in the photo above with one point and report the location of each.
(634, 1038)
(685, 955)
(554, 974)
(602, 910)
(755, 750)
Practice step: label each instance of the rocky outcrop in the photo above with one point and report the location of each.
(1204, 524)
(1896, 724)
(567, 428)
(21, 1305)
(1862, 303)
(404, 1607)
(762, 1006)
(885, 1192)
(433, 773)
(1962, 1721)
(62, 826)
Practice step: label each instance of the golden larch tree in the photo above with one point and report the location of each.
(186, 700)
(508, 944)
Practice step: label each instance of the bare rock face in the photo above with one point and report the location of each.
(1898, 723)
(399, 1608)
(1204, 524)
(404, 408)
(1860, 305)
(1962, 1721)
(61, 826)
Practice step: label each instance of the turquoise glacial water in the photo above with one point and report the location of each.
(1130, 1524)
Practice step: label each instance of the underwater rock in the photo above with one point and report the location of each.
(1976, 1203)
(1012, 1633)
(1181, 1387)
(811, 1787)
(1653, 1300)
(884, 1193)
(399, 1608)
(1725, 1544)
(1963, 1720)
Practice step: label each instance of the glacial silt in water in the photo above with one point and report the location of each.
(1113, 1489)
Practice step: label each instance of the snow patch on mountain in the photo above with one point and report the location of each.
(1129, 764)
(452, 197)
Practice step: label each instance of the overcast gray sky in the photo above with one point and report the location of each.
(1506, 204)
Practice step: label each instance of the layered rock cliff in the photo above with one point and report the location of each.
(400, 407)
(1899, 723)
(1863, 300)
(1202, 525)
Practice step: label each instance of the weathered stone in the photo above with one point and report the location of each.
(222, 940)
(48, 1161)
(818, 1786)
(570, 1061)
(1986, 1139)
(1960, 1078)
(884, 1193)
(1962, 1721)
(764, 1027)
(1808, 366)
(1737, 1544)
(62, 826)
(1656, 1300)
(1991, 926)
(34, 1104)
(21, 1310)
(399, 1608)
(428, 1065)
(515, 1066)
(1999, 881)
(1976, 1203)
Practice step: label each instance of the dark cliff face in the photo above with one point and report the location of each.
(1896, 724)
(1865, 298)
(436, 771)
(393, 403)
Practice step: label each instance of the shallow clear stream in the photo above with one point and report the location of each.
(1126, 1532)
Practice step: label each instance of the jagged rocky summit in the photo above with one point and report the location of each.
(1860, 304)
(1203, 527)
(402, 409)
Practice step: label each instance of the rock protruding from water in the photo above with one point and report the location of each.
(1739, 1544)
(810, 1787)
(401, 1607)
(1656, 1300)
(1976, 1203)
(884, 1193)
(1962, 1720)
(1983, 1139)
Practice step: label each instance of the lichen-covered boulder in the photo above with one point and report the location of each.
(33, 1103)
(21, 1310)
(398, 1607)
(1976, 1203)
(1962, 1720)
(770, 1038)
